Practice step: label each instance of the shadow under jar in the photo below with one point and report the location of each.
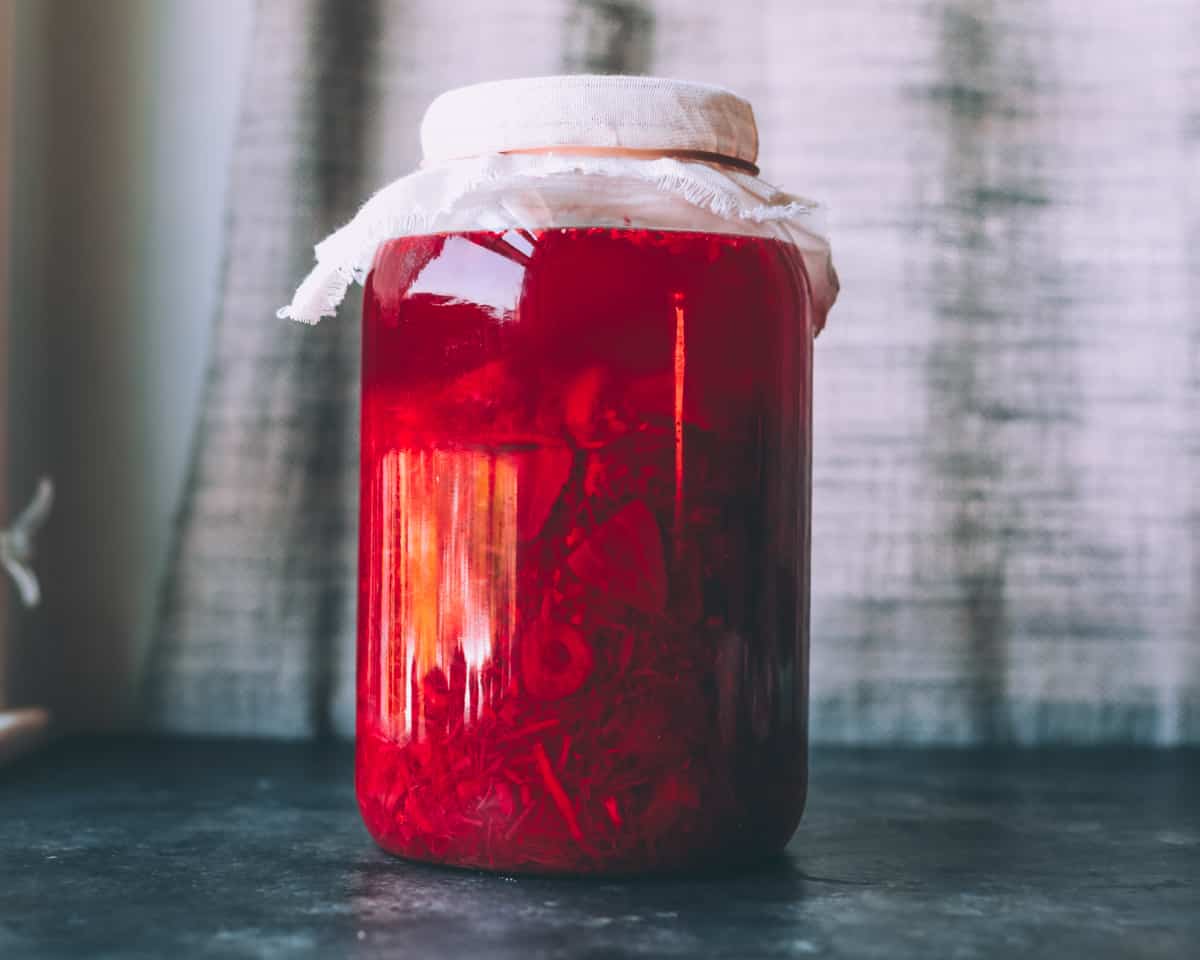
(583, 620)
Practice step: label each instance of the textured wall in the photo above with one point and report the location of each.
(1007, 482)
(1008, 468)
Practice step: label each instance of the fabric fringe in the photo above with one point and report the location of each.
(425, 202)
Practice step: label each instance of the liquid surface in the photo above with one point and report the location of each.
(584, 548)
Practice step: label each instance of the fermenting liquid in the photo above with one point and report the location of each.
(583, 623)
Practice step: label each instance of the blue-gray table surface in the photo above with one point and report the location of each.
(152, 848)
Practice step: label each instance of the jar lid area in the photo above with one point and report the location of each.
(583, 111)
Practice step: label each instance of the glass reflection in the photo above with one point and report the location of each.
(448, 568)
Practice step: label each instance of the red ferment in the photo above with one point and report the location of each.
(583, 624)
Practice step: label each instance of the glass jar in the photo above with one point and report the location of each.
(583, 620)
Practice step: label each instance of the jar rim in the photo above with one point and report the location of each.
(700, 156)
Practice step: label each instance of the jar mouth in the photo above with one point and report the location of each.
(701, 156)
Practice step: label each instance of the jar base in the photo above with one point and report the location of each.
(724, 864)
(748, 845)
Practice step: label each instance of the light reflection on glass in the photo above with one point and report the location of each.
(471, 273)
(449, 558)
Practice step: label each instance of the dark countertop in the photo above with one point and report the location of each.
(136, 848)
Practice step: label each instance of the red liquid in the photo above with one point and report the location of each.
(583, 625)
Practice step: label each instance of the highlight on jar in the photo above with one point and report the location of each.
(585, 482)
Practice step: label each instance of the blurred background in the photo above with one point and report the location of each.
(1006, 539)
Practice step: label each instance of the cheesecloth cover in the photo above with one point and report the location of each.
(499, 156)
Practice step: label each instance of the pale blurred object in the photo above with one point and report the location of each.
(21, 731)
(16, 543)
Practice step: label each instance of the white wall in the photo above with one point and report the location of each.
(123, 123)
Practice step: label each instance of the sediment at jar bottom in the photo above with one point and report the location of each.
(537, 826)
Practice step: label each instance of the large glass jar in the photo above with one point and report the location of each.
(583, 625)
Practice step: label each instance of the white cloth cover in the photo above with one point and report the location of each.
(465, 136)
(633, 113)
